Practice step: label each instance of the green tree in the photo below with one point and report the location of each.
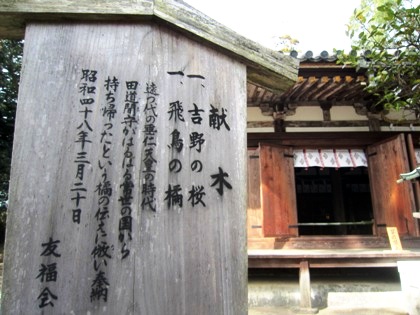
(10, 65)
(385, 41)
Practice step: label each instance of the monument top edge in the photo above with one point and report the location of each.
(177, 14)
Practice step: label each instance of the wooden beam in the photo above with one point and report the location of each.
(327, 258)
(260, 124)
(311, 124)
(374, 125)
(321, 140)
(325, 263)
(320, 124)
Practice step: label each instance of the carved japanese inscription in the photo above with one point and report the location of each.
(128, 181)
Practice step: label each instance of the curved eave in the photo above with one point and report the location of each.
(272, 70)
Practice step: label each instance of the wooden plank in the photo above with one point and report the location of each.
(260, 124)
(294, 263)
(329, 258)
(331, 242)
(97, 167)
(333, 254)
(336, 123)
(268, 68)
(278, 190)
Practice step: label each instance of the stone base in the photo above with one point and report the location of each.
(305, 310)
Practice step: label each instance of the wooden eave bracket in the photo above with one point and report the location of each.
(273, 70)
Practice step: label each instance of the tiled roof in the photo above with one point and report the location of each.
(320, 80)
(324, 56)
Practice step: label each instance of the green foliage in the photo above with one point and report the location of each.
(286, 43)
(10, 64)
(386, 42)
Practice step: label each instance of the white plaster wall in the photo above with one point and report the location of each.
(402, 114)
(395, 117)
(306, 113)
(254, 114)
(314, 113)
(345, 113)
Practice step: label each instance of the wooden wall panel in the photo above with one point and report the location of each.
(392, 203)
(415, 184)
(127, 159)
(278, 190)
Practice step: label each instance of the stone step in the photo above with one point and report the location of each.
(361, 311)
(264, 291)
(391, 302)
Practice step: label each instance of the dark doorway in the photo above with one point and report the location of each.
(333, 201)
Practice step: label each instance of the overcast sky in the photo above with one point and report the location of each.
(317, 24)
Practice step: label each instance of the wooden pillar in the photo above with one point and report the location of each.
(416, 185)
(374, 119)
(279, 119)
(374, 124)
(305, 290)
(279, 125)
(128, 194)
